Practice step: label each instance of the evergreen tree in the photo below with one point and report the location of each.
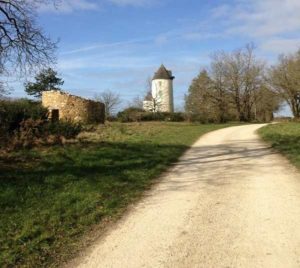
(44, 81)
(198, 101)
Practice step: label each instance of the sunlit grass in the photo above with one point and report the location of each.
(50, 197)
(285, 137)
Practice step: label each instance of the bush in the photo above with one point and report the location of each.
(67, 129)
(172, 117)
(130, 114)
(135, 114)
(203, 119)
(23, 123)
(112, 118)
(149, 116)
(13, 112)
(177, 117)
(29, 133)
(41, 132)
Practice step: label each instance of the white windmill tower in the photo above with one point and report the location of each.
(162, 92)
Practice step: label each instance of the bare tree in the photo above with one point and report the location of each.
(3, 90)
(154, 102)
(285, 80)
(136, 102)
(23, 44)
(235, 88)
(148, 85)
(153, 98)
(111, 101)
(243, 75)
(266, 103)
(219, 91)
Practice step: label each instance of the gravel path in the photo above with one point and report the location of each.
(229, 202)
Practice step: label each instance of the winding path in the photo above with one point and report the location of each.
(230, 201)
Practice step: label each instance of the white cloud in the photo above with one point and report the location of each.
(258, 18)
(104, 62)
(196, 36)
(272, 24)
(279, 46)
(105, 46)
(220, 11)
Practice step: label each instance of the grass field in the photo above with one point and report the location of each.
(285, 137)
(50, 197)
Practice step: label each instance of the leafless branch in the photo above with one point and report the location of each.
(24, 46)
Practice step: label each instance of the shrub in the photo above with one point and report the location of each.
(135, 114)
(41, 132)
(130, 114)
(13, 112)
(149, 116)
(29, 133)
(112, 118)
(203, 118)
(23, 123)
(177, 117)
(172, 117)
(63, 128)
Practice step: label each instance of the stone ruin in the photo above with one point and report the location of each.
(62, 105)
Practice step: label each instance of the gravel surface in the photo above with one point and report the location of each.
(230, 201)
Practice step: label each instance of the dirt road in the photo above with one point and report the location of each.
(229, 202)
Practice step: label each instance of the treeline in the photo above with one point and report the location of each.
(239, 87)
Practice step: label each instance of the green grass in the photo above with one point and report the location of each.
(285, 137)
(51, 197)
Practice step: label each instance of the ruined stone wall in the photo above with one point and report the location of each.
(73, 107)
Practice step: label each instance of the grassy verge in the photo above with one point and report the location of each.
(285, 137)
(50, 197)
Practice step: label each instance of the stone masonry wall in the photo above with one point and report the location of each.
(74, 108)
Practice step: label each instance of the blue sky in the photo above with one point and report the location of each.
(117, 44)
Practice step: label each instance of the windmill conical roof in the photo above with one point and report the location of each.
(163, 73)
